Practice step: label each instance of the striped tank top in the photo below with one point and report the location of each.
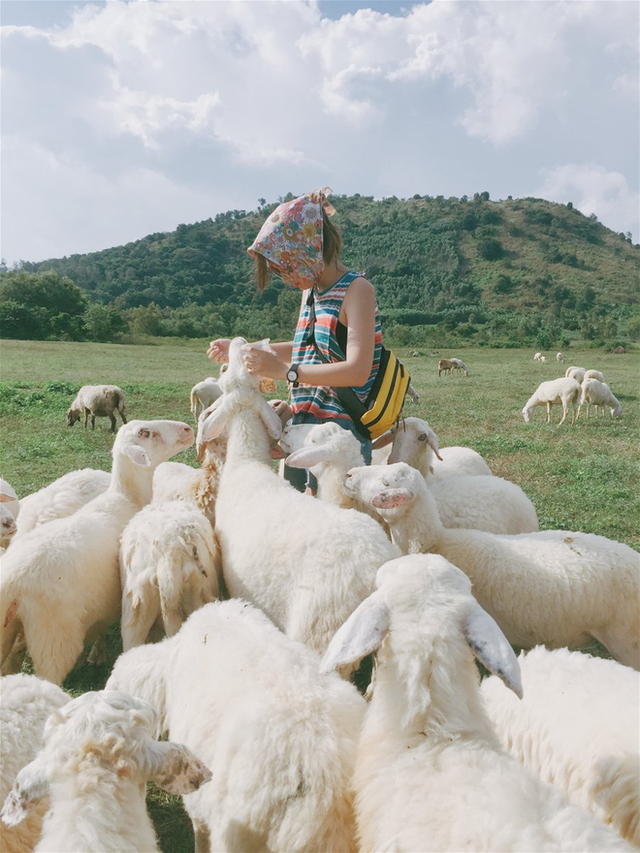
(321, 401)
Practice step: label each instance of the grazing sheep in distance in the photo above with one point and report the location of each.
(595, 393)
(98, 401)
(459, 365)
(99, 751)
(430, 773)
(583, 740)
(26, 702)
(537, 356)
(60, 582)
(203, 394)
(445, 365)
(543, 359)
(559, 357)
(576, 373)
(231, 687)
(564, 390)
(555, 587)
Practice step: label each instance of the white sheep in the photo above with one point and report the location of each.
(169, 567)
(574, 367)
(98, 401)
(565, 390)
(577, 728)
(554, 587)
(203, 394)
(25, 704)
(430, 774)
(305, 562)
(476, 501)
(543, 359)
(60, 582)
(576, 373)
(460, 366)
(9, 511)
(99, 751)
(593, 374)
(537, 356)
(598, 394)
(559, 356)
(61, 498)
(252, 705)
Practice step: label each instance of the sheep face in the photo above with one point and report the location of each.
(8, 526)
(411, 436)
(152, 442)
(73, 416)
(384, 487)
(526, 414)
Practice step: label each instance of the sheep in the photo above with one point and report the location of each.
(470, 501)
(9, 511)
(305, 562)
(564, 390)
(559, 356)
(61, 498)
(60, 582)
(595, 393)
(203, 394)
(445, 365)
(169, 566)
(576, 373)
(537, 356)
(99, 751)
(98, 401)
(430, 774)
(577, 727)
(25, 703)
(553, 587)
(233, 688)
(593, 374)
(543, 359)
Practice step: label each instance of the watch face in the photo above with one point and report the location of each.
(292, 374)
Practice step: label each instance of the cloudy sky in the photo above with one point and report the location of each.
(120, 119)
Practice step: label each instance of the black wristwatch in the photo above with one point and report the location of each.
(292, 375)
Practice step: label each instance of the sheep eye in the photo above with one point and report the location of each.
(422, 437)
(144, 433)
(385, 482)
(348, 476)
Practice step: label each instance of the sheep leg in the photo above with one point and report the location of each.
(548, 413)
(112, 418)
(202, 837)
(98, 653)
(138, 618)
(93, 421)
(123, 416)
(620, 645)
(86, 417)
(565, 412)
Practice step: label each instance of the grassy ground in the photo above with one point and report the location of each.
(584, 477)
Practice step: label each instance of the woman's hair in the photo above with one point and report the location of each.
(331, 251)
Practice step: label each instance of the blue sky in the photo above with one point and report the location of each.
(121, 119)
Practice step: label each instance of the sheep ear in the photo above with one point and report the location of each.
(178, 771)
(212, 422)
(383, 440)
(271, 421)
(137, 455)
(307, 457)
(492, 648)
(31, 785)
(389, 498)
(434, 444)
(361, 634)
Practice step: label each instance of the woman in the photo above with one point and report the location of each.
(338, 338)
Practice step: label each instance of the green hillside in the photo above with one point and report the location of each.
(503, 272)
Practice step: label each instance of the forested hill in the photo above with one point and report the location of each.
(479, 267)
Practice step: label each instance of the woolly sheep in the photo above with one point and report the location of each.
(60, 582)
(175, 481)
(25, 704)
(459, 365)
(543, 359)
(233, 688)
(445, 365)
(203, 394)
(564, 390)
(559, 356)
(98, 401)
(554, 587)
(61, 498)
(169, 566)
(576, 373)
(449, 786)
(595, 393)
(537, 356)
(593, 374)
(577, 727)
(305, 562)
(480, 502)
(99, 751)
(573, 367)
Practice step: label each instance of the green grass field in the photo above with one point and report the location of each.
(584, 477)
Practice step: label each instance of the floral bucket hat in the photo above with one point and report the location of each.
(291, 238)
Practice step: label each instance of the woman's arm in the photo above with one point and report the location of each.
(359, 309)
(219, 351)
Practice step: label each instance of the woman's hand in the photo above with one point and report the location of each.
(219, 349)
(261, 362)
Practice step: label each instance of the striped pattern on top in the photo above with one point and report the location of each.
(322, 401)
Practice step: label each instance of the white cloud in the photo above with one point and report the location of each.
(593, 189)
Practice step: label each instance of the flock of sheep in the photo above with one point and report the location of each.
(246, 606)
